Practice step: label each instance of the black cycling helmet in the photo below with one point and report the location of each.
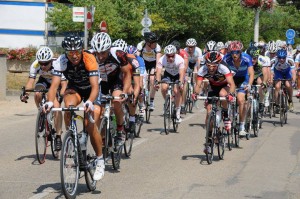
(150, 37)
(72, 42)
(253, 51)
(176, 44)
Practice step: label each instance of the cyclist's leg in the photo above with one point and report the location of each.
(178, 98)
(150, 67)
(71, 98)
(298, 82)
(242, 110)
(289, 89)
(41, 84)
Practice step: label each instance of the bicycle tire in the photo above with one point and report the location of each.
(209, 140)
(229, 140)
(281, 105)
(116, 157)
(175, 124)
(52, 143)
(235, 127)
(221, 143)
(69, 162)
(106, 137)
(147, 104)
(41, 138)
(256, 120)
(167, 115)
(285, 108)
(90, 158)
(138, 126)
(128, 143)
(186, 104)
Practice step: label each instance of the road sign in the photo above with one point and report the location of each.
(89, 20)
(290, 41)
(146, 22)
(103, 26)
(290, 34)
(78, 14)
(145, 30)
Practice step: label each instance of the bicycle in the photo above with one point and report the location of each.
(108, 129)
(44, 131)
(129, 136)
(283, 100)
(214, 132)
(234, 118)
(139, 121)
(146, 97)
(169, 108)
(75, 157)
(253, 120)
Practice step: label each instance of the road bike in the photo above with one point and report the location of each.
(283, 101)
(77, 155)
(45, 133)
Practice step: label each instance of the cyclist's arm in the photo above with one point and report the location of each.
(158, 56)
(251, 74)
(63, 85)
(126, 78)
(30, 82)
(94, 88)
(53, 88)
(197, 87)
(231, 83)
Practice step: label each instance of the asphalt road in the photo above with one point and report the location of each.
(161, 166)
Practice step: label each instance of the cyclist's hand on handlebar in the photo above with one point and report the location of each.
(230, 97)
(156, 85)
(247, 87)
(180, 84)
(47, 106)
(88, 106)
(263, 85)
(24, 97)
(194, 96)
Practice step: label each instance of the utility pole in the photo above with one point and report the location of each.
(256, 25)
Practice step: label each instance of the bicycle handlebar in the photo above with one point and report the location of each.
(214, 97)
(74, 109)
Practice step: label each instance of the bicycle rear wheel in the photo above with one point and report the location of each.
(128, 135)
(210, 132)
(167, 115)
(69, 166)
(285, 108)
(281, 105)
(116, 157)
(41, 137)
(256, 120)
(52, 142)
(147, 104)
(90, 158)
(138, 126)
(221, 143)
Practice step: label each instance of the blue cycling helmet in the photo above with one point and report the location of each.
(281, 53)
(131, 49)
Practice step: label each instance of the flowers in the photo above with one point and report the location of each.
(22, 54)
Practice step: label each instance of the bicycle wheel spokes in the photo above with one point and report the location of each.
(138, 126)
(167, 115)
(116, 157)
(221, 142)
(41, 138)
(210, 129)
(147, 104)
(69, 167)
(281, 104)
(128, 143)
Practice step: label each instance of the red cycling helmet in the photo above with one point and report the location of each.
(213, 57)
(235, 46)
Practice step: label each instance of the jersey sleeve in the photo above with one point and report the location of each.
(134, 64)
(140, 46)
(34, 69)
(158, 48)
(159, 63)
(202, 72)
(59, 65)
(90, 63)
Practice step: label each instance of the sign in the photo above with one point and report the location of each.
(145, 30)
(146, 22)
(290, 34)
(290, 41)
(103, 26)
(78, 14)
(89, 20)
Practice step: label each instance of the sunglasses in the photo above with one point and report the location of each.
(44, 63)
(170, 56)
(281, 57)
(235, 52)
(191, 46)
(73, 52)
(212, 65)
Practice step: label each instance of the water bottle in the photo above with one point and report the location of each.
(218, 118)
(82, 140)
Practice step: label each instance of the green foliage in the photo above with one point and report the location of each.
(219, 20)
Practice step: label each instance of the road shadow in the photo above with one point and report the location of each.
(34, 159)
(197, 124)
(202, 158)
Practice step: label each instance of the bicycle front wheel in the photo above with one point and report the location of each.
(210, 132)
(282, 105)
(90, 158)
(221, 143)
(175, 124)
(128, 143)
(147, 104)
(116, 157)
(41, 137)
(69, 166)
(167, 115)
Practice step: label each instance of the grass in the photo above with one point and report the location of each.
(15, 81)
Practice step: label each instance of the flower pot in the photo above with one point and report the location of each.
(18, 65)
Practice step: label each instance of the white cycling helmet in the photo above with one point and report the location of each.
(101, 42)
(170, 49)
(272, 47)
(210, 46)
(227, 44)
(220, 45)
(44, 54)
(191, 42)
(121, 44)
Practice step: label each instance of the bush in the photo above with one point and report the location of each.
(22, 54)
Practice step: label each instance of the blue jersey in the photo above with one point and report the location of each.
(242, 71)
(141, 63)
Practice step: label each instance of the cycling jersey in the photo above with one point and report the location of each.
(262, 61)
(245, 63)
(217, 79)
(297, 58)
(46, 75)
(148, 56)
(171, 68)
(135, 66)
(282, 71)
(142, 65)
(183, 54)
(78, 76)
(193, 57)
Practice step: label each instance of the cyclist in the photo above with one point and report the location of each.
(194, 56)
(241, 64)
(297, 67)
(282, 67)
(220, 47)
(261, 66)
(115, 74)
(143, 75)
(150, 51)
(43, 66)
(221, 81)
(135, 88)
(185, 57)
(174, 71)
(81, 70)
